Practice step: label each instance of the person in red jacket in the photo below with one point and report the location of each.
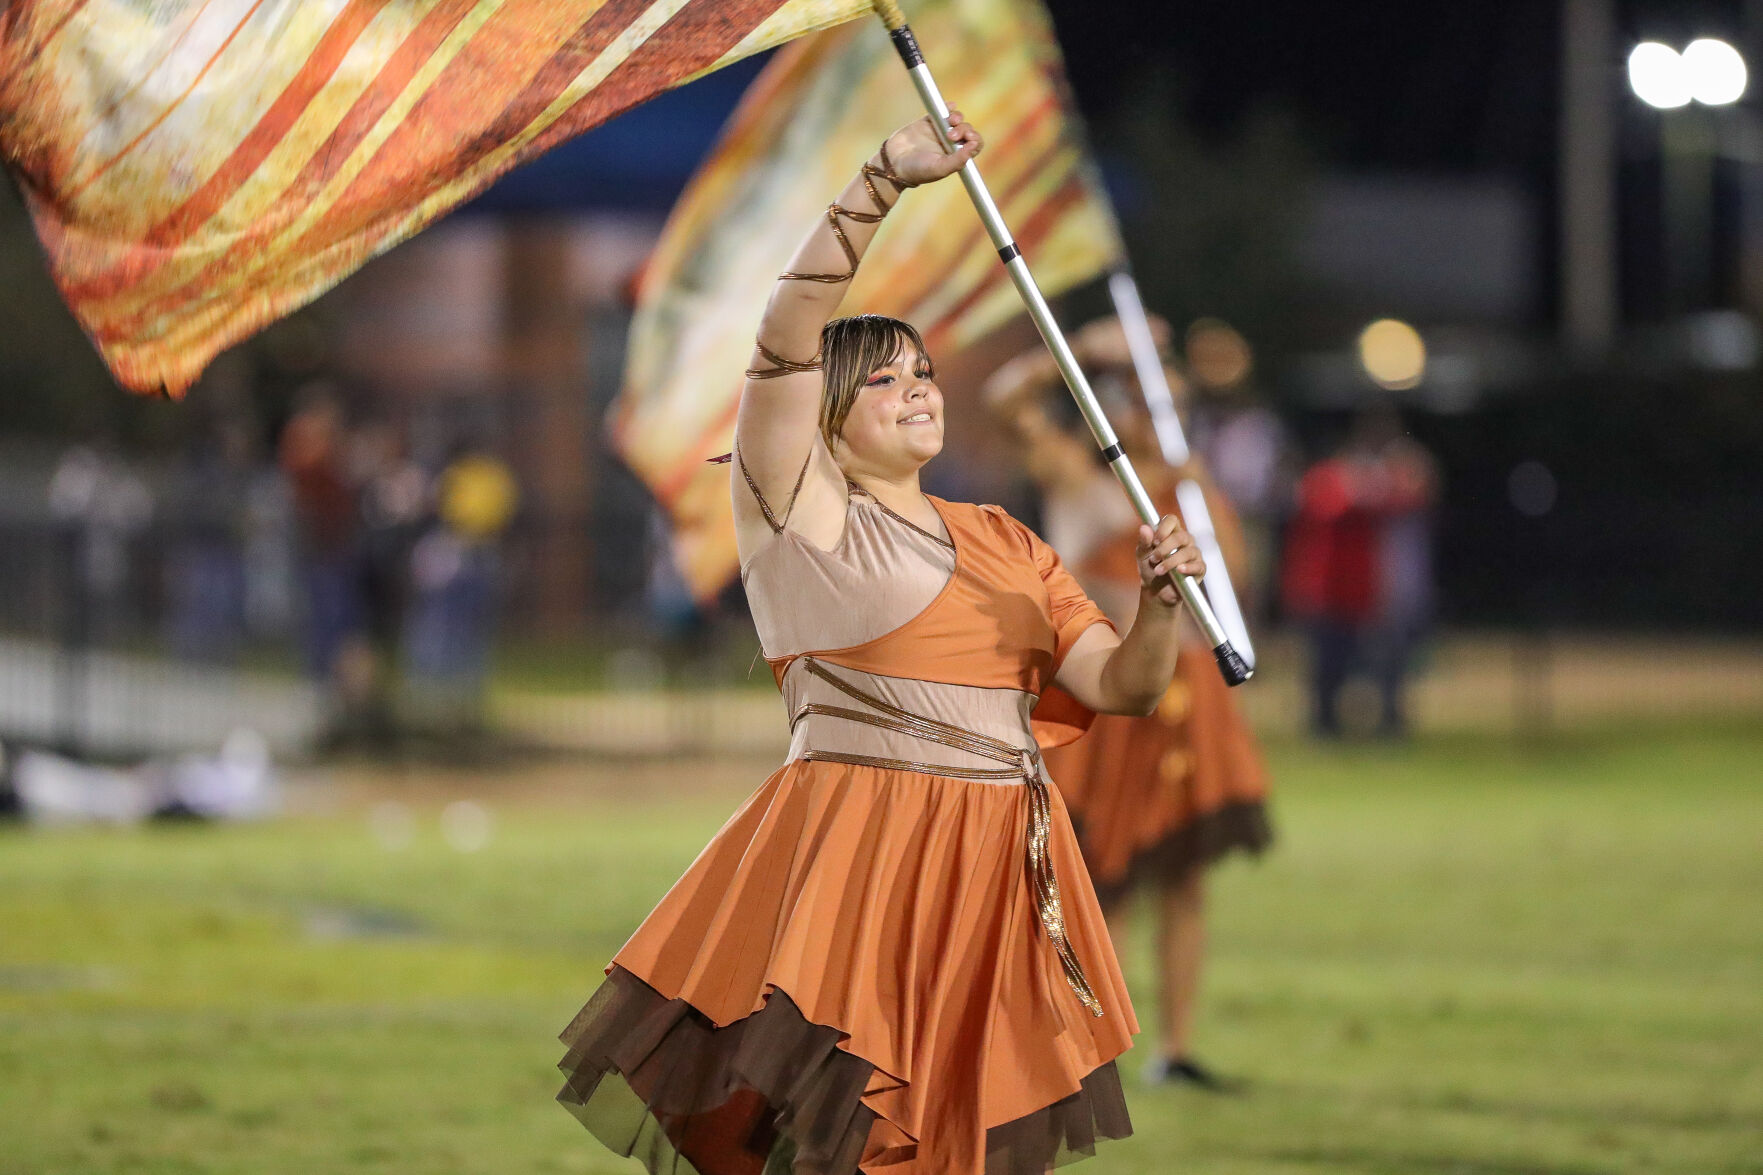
(1358, 566)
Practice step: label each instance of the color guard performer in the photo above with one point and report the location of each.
(890, 959)
(1155, 799)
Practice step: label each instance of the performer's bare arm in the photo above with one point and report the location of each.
(1129, 674)
(1100, 345)
(780, 415)
(1017, 395)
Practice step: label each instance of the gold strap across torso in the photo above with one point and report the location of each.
(1022, 763)
(852, 487)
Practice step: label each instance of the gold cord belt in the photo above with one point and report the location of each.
(1024, 765)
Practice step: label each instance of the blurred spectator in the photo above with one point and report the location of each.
(394, 505)
(205, 569)
(328, 525)
(455, 574)
(101, 507)
(1244, 442)
(271, 555)
(1358, 566)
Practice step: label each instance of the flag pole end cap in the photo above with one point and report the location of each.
(1231, 664)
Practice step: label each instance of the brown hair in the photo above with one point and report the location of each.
(851, 350)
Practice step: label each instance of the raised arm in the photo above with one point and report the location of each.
(1018, 394)
(1016, 397)
(780, 401)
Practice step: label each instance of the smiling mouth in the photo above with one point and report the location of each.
(918, 418)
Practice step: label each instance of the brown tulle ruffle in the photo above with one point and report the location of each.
(1239, 827)
(774, 1093)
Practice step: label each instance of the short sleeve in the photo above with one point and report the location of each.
(1060, 718)
(1072, 609)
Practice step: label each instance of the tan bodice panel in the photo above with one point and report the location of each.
(879, 576)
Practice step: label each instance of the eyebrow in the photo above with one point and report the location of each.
(899, 363)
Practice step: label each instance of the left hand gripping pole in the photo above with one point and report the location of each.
(1230, 663)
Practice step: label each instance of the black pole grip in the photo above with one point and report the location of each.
(906, 45)
(1230, 663)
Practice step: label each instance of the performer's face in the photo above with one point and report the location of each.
(896, 423)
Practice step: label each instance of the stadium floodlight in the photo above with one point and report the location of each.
(1658, 76)
(1716, 72)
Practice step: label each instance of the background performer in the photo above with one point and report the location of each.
(1155, 799)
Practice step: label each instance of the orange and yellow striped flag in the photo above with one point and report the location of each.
(197, 168)
(817, 111)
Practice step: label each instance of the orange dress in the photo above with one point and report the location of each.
(1154, 798)
(890, 959)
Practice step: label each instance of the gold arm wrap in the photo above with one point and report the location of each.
(870, 173)
(780, 365)
(835, 210)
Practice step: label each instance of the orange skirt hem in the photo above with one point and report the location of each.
(653, 1078)
(893, 910)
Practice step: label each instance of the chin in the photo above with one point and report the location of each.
(926, 448)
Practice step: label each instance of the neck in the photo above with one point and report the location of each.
(897, 491)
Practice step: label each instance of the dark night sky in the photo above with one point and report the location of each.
(1405, 84)
(1413, 85)
(1376, 82)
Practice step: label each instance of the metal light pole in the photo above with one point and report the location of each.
(1588, 177)
(1709, 73)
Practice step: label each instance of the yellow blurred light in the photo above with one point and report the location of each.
(1218, 355)
(1393, 354)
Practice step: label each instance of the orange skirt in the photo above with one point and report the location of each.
(854, 964)
(1154, 798)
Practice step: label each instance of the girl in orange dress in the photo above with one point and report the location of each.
(890, 959)
(1155, 799)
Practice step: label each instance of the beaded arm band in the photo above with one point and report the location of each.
(780, 365)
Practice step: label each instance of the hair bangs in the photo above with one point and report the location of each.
(852, 349)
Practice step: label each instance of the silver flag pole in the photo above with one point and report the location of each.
(1189, 496)
(1231, 664)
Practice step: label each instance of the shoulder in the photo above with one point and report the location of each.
(981, 516)
(995, 527)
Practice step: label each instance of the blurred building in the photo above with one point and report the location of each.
(483, 328)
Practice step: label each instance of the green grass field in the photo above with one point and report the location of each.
(1462, 959)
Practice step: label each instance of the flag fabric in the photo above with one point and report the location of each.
(820, 108)
(198, 168)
